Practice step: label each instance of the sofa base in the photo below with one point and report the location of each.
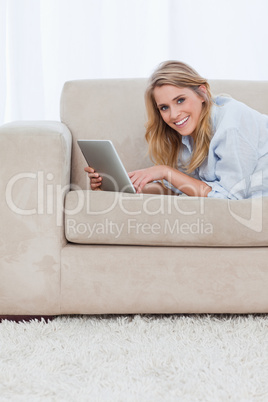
(163, 280)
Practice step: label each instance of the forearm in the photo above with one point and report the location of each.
(187, 184)
(156, 188)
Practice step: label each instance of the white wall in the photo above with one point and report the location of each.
(44, 43)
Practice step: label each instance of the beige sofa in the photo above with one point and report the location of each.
(68, 250)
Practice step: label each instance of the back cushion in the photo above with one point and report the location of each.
(106, 109)
(114, 109)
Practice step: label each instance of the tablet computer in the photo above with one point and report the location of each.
(102, 156)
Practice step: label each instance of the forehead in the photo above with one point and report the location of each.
(169, 90)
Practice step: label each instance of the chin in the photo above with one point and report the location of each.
(185, 134)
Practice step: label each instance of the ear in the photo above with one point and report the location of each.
(203, 88)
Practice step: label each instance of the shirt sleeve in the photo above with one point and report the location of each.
(171, 187)
(235, 161)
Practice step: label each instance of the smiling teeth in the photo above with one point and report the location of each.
(182, 121)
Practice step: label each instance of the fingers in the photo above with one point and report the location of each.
(95, 183)
(89, 169)
(139, 179)
(140, 184)
(95, 178)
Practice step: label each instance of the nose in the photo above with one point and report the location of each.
(174, 112)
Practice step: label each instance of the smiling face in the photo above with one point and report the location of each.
(180, 108)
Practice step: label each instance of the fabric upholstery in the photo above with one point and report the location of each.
(160, 280)
(102, 217)
(35, 172)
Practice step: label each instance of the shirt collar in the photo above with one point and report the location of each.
(188, 142)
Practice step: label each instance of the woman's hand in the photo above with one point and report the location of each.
(95, 178)
(186, 184)
(140, 178)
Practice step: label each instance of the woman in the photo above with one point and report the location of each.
(200, 146)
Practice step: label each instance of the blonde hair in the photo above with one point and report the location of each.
(164, 142)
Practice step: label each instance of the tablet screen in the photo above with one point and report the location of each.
(101, 155)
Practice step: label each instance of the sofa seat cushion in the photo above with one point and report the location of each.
(100, 217)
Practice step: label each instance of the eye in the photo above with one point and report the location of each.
(163, 108)
(181, 100)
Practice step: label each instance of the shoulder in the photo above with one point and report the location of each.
(229, 114)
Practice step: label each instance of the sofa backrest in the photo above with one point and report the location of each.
(114, 109)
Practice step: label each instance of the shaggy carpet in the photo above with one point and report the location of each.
(135, 358)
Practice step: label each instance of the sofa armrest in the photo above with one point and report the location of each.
(34, 176)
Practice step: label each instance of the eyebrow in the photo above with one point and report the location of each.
(176, 97)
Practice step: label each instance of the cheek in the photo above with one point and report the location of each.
(195, 112)
(164, 117)
(198, 114)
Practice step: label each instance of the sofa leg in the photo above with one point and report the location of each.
(18, 318)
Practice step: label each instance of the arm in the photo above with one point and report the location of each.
(35, 160)
(231, 163)
(188, 185)
(156, 188)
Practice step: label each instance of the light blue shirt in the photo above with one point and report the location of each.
(237, 163)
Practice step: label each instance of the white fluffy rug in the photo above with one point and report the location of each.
(135, 358)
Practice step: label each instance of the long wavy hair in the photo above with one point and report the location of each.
(165, 142)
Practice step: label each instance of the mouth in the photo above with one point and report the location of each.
(182, 122)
